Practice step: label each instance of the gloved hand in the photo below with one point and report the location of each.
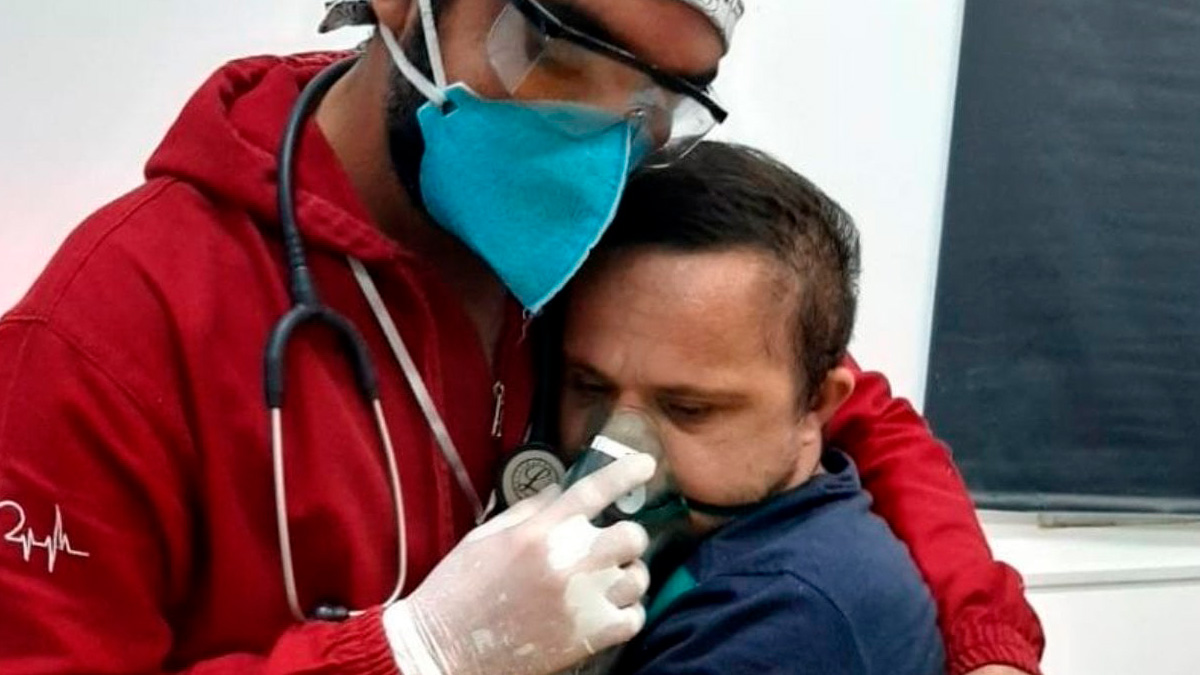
(533, 591)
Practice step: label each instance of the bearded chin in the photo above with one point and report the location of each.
(406, 145)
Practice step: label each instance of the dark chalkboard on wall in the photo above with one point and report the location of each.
(1065, 359)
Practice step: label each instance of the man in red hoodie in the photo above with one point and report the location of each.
(444, 188)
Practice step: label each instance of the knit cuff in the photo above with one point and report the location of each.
(361, 647)
(990, 644)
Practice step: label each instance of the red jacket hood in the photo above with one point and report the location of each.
(226, 140)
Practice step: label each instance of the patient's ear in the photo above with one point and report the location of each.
(831, 394)
(825, 401)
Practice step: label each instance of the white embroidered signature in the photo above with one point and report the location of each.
(54, 543)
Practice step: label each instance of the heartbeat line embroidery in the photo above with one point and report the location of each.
(54, 543)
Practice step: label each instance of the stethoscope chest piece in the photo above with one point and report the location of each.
(530, 469)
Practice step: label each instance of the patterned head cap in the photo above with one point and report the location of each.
(338, 13)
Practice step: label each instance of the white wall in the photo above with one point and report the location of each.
(856, 95)
(89, 88)
(1116, 599)
(859, 97)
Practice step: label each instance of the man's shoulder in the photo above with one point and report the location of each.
(156, 264)
(823, 531)
(830, 562)
(754, 621)
(148, 235)
(850, 552)
(836, 545)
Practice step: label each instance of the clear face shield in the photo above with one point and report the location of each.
(539, 58)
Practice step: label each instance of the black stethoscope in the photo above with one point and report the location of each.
(528, 469)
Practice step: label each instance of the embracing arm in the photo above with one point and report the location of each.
(982, 610)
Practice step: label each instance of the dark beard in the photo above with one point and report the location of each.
(406, 145)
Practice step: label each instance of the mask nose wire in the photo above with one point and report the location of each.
(432, 91)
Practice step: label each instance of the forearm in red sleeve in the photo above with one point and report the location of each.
(96, 541)
(981, 602)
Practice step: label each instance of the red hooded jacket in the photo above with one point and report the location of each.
(137, 528)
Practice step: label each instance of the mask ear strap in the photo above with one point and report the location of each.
(433, 45)
(433, 93)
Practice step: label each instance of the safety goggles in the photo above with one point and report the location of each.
(538, 57)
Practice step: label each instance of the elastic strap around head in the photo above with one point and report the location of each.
(433, 46)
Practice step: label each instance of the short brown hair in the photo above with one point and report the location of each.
(723, 195)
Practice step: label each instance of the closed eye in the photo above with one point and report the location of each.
(687, 412)
(588, 386)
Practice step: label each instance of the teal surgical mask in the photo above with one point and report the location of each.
(529, 187)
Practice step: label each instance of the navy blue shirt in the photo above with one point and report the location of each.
(811, 583)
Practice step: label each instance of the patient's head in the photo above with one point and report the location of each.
(720, 303)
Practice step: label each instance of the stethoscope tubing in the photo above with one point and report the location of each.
(307, 308)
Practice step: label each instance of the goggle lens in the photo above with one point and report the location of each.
(535, 67)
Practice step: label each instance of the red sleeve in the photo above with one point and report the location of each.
(982, 610)
(357, 646)
(96, 533)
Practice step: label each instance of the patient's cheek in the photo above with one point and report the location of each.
(571, 424)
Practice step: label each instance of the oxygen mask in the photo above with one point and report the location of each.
(658, 504)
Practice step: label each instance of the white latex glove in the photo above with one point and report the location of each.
(533, 591)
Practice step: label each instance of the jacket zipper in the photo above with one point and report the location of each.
(498, 411)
